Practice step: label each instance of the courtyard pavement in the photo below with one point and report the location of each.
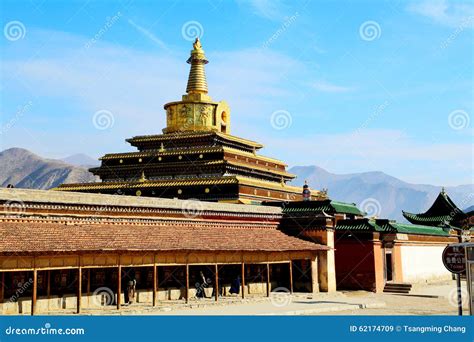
(425, 299)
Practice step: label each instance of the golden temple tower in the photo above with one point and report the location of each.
(197, 111)
(195, 157)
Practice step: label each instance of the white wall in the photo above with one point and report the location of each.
(423, 263)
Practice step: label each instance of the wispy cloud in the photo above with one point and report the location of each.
(84, 81)
(268, 9)
(444, 12)
(327, 87)
(392, 151)
(148, 35)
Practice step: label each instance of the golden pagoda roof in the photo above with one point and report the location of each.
(253, 155)
(157, 165)
(148, 183)
(224, 180)
(194, 134)
(152, 153)
(260, 168)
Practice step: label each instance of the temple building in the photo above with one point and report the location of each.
(64, 252)
(170, 223)
(159, 220)
(379, 254)
(195, 157)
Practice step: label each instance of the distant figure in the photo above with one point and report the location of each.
(131, 289)
(235, 287)
(200, 286)
(10, 186)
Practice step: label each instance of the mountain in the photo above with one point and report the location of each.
(24, 169)
(81, 160)
(380, 194)
(469, 209)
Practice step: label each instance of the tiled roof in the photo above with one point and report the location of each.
(327, 206)
(431, 220)
(68, 198)
(386, 226)
(24, 237)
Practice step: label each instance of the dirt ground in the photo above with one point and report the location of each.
(425, 299)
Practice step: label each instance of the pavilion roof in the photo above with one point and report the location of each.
(443, 211)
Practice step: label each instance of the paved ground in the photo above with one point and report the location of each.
(430, 299)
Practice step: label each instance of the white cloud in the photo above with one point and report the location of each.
(268, 9)
(148, 35)
(133, 85)
(448, 13)
(391, 151)
(327, 87)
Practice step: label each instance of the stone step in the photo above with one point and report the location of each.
(397, 287)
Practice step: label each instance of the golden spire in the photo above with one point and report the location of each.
(197, 77)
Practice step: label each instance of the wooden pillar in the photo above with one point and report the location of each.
(2, 287)
(2, 290)
(119, 286)
(48, 284)
(155, 283)
(291, 276)
(243, 280)
(216, 292)
(187, 283)
(314, 274)
(79, 289)
(268, 280)
(35, 290)
(88, 289)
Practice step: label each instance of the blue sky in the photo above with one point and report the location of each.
(350, 86)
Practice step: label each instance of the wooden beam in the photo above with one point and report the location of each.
(119, 286)
(291, 277)
(35, 290)
(187, 283)
(243, 280)
(268, 280)
(79, 289)
(155, 283)
(216, 292)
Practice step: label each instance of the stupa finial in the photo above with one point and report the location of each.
(197, 76)
(197, 44)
